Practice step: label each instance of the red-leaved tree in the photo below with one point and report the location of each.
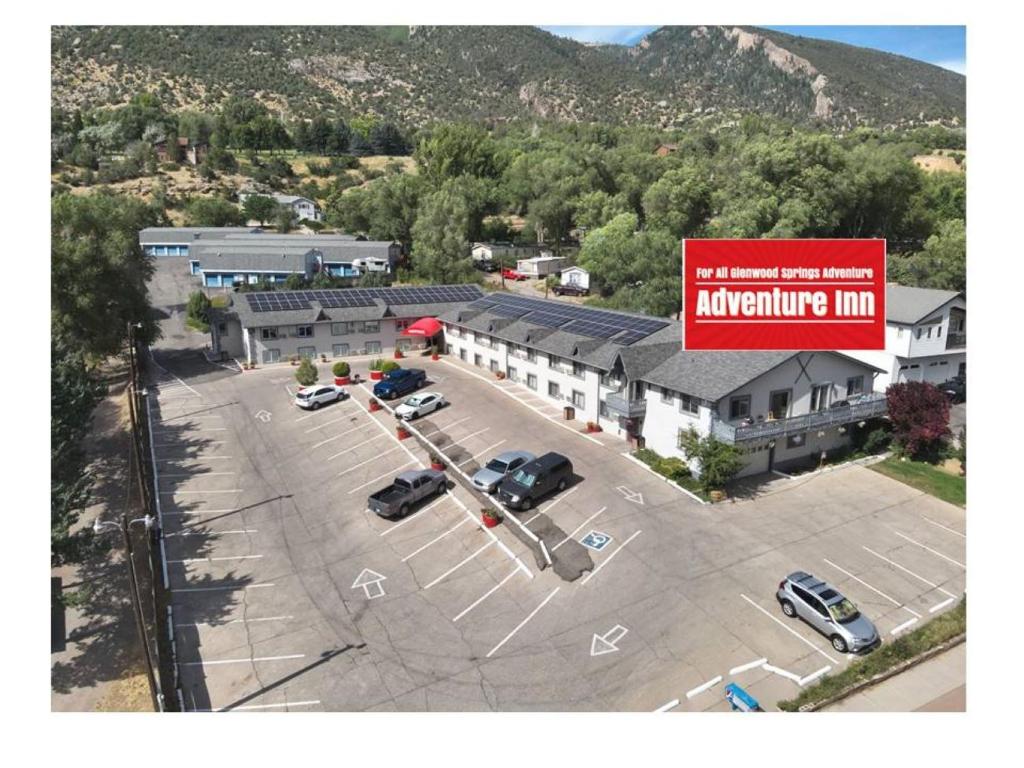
(919, 413)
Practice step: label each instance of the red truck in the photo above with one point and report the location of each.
(511, 274)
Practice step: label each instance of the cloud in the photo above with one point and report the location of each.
(602, 34)
(955, 65)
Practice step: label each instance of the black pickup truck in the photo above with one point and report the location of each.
(408, 488)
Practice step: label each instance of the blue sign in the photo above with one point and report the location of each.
(596, 540)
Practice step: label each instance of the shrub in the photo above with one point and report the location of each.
(719, 462)
(387, 366)
(919, 413)
(673, 468)
(376, 365)
(341, 369)
(197, 311)
(306, 374)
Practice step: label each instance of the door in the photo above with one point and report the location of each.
(771, 457)
(778, 404)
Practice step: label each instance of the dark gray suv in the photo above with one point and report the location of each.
(803, 596)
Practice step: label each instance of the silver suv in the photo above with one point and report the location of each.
(820, 605)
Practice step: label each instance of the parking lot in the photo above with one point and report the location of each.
(288, 594)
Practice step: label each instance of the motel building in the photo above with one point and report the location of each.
(627, 373)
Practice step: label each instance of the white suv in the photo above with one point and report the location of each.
(318, 394)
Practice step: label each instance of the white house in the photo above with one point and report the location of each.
(925, 337)
(503, 251)
(629, 374)
(302, 207)
(541, 266)
(576, 276)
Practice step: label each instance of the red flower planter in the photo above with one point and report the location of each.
(490, 522)
(435, 357)
(403, 433)
(398, 354)
(342, 381)
(436, 465)
(376, 375)
(374, 406)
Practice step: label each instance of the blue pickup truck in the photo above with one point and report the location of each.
(399, 382)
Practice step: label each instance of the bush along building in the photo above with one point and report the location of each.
(274, 326)
(925, 337)
(628, 374)
(226, 257)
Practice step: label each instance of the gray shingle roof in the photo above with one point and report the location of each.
(224, 255)
(907, 305)
(186, 235)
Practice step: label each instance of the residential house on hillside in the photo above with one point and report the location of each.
(925, 337)
(575, 276)
(541, 266)
(505, 252)
(627, 372)
(303, 208)
(189, 152)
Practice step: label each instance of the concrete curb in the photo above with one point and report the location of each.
(883, 676)
(673, 483)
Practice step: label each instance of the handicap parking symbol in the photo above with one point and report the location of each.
(596, 540)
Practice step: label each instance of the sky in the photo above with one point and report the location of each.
(942, 46)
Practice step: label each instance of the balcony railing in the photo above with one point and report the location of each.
(624, 406)
(864, 407)
(956, 340)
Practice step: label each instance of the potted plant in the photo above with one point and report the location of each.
(499, 375)
(490, 517)
(717, 495)
(437, 462)
(323, 357)
(374, 404)
(398, 354)
(435, 353)
(387, 366)
(403, 432)
(376, 374)
(341, 371)
(593, 426)
(294, 360)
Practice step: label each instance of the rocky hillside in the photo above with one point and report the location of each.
(418, 74)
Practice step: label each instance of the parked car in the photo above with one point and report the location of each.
(535, 480)
(400, 381)
(497, 469)
(486, 266)
(955, 389)
(802, 596)
(570, 290)
(407, 489)
(420, 404)
(511, 274)
(318, 394)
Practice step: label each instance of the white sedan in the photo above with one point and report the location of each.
(420, 405)
(318, 394)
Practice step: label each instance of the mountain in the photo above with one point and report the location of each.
(418, 74)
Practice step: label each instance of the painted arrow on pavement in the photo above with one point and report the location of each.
(606, 643)
(630, 495)
(370, 582)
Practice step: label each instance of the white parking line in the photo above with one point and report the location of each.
(782, 673)
(943, 527)
(791, 631)
(195, 493)
(381, 477)
(190, 512)
(332, 439)
(233, 588)
(920, 578)
(873, 589)
(353, 447)
(189, 429)
(182, 383)
(901, 627)
(442, 429)
(250, 707)
(347, 415)
(242, 661)
(214, 559)
(669, 706)
(180, 445)
(454, 568)
(578, 528)
(437, 539)
(522, 624)
(309, 415)
(486, 594)
(748, 666)
(210, 533)
(553, 502)
(604, 562)
(196, 474)
(368, 461)
(929, 549)
(474, 434)
(478, 455)
(813, 676)
(233, 621)
(415, 515)
(703, 687)
(941, 605)
(197, 458)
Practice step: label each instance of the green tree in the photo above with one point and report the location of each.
(453, 150)
(295, 282)
(197, 311)
(680, 201)
(306, 374)
(99, 273)
(284, 218)
(212, 212)
(259, 208)
(718, 462)
(941, 264)
(440, 246)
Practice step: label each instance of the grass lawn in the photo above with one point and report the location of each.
(927, 478)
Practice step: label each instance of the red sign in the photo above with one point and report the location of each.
(784, 294)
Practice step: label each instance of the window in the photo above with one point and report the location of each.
(341, 329)
(938, 331)
(578, 370)
(796, 441)
(304, 331)
(531, 355)
(401, 325)
(373, 347)
(478, 361)
(739, 407)
(919, 332)
(513, 373)
(462, 354)
(271, 355)
(531, 380)
(667, 395)
(778, 404)
(554, 390)
(494, 365)
(268, 333)
(309, 352)
(602, 409)
(371, 326)
(552, 361)
(819, 396)
(689, 404)
(854, 385)
(929, 331)
(641, 389)
(340, 350)
(579, 399)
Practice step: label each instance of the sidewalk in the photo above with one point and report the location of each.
(937, 685)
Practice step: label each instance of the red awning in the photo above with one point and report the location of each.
(426, 326)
